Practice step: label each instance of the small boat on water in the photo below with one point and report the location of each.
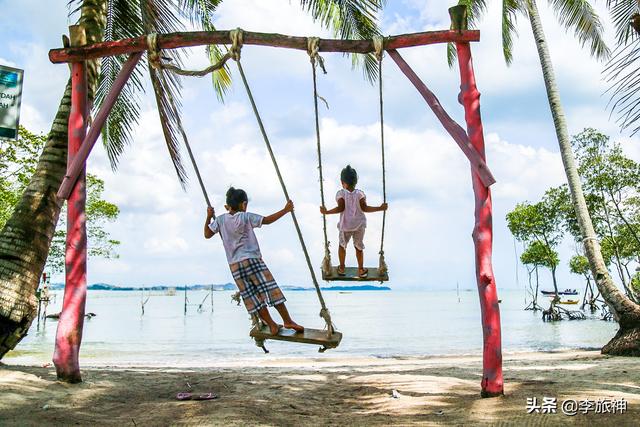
(569, 301)
(565, 292)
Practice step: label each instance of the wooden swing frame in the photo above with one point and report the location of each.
(73, 187)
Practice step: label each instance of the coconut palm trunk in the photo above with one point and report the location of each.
(26, 237)
(627, 340)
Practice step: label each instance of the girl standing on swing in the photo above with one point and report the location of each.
(352, 205)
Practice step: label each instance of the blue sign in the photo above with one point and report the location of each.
(10, 98)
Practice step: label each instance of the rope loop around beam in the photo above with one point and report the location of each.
(378, 45)
(153, 54)
(236, 43)
(313, 47)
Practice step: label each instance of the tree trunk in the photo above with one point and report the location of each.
(535, 298)
(622, 217)
(555, 280)
(627, 313)
(26, 237)
(616, 248)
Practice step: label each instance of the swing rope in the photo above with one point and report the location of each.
(236, 39)
(313, 46)
(378, 44)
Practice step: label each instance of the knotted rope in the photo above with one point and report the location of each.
(313, 46)
(378, 44)
(155, 59)
(324, 312)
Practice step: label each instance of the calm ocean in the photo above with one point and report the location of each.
(374, 323)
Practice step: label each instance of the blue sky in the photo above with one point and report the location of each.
(428, 241)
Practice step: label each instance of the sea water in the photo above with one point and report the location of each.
(374, 323)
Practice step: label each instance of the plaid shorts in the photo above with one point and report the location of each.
(257, 287)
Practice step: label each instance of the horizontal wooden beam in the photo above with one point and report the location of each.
(200, 38)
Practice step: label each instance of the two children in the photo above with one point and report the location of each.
(257, 287)
(352, 205)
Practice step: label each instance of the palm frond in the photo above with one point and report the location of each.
(201, 13)
(623, 73)
(622, 14)
(350, 19)
(220, 79)
(162, 16)
(579, 16)
(510, 9)
(123, 21)
(475, 9)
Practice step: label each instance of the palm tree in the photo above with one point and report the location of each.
(580, 17)
(26, 237)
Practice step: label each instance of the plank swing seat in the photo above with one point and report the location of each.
(351, 275)
(327, 338)
(320, 337)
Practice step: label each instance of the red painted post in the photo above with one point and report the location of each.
(69, 333)
(492, 382)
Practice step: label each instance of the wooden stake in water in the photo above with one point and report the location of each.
(458, 290)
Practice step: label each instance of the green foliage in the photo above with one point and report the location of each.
(18, 160)
(575, 15)
(622, 69)
(611, 184)
(539, 226)
(635, 283)
(536, 221)
(579, 264)
(540, 254)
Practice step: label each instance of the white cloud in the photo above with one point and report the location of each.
(430, 219)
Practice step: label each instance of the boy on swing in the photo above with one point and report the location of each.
(352, 205)
(257, 287)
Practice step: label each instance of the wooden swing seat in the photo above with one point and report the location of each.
(351, 274)
(309, 336)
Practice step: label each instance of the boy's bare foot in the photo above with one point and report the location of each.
(363, 272)
(275, 328)
(294, 326)
(340, 270)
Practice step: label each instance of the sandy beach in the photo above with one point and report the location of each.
(349, 391)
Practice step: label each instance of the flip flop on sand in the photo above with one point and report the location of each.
(191, 396)
(364, 273)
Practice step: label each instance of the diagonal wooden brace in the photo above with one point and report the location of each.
(77, 165)
(455, 130)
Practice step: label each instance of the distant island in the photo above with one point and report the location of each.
(216, 287)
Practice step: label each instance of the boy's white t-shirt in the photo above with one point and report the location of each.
(237, 234)
(352, 218)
